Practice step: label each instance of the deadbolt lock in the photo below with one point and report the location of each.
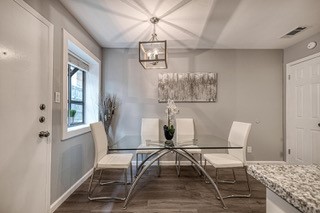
(42, 119)
(42, 106)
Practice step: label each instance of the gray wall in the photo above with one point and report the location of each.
(249, 90)
(300, 49)
(71, 159)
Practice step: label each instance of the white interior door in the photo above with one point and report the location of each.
(303, 111)
(25, 83)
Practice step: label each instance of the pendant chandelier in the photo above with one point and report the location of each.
(153, 53)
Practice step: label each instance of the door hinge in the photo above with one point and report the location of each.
(289, 77)
(289, 151)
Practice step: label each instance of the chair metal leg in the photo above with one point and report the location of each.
(159, 168)
(178, 163)
(100, 175)
(90, 192)
(90, 183)
(137, 161)
(178, 166)
(192, 164)
(125, 182)
(144, 157)
(131, 175)
(241, 195)
(176, 159)
(205, 169)
(230, 181)
(144, 161)
(248, 182)
(217, 173)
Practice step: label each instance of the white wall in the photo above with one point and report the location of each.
(249, 90)
(72, 158)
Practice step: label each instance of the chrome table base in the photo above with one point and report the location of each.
(157, 155)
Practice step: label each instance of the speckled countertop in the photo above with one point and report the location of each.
(299, 185)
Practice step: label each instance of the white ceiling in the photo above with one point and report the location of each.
(198, 24)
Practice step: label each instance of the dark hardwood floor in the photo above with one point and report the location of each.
(169, 193)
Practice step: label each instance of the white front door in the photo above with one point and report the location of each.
(303, 111)
(25, 84)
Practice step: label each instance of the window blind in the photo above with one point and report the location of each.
(77, 62)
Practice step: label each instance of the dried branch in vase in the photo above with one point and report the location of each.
(107, 109)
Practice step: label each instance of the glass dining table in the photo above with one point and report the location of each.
(161, 148)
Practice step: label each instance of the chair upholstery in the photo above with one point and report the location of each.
(235, 158)
(104, 160)
(100, 141)
(238, 136)
(184, 129)
(149, 131)
(115, 161)
(150, 128)
(223, 160)
(185, 133)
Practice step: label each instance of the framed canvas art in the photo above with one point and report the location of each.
(187, 87)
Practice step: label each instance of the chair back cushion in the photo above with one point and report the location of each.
(184, 129)
(238, 136)
(100, 141)
(149, 129)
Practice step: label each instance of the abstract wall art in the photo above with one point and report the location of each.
(187, 87)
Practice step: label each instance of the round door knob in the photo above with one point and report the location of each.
(318, 124)
(44, 134)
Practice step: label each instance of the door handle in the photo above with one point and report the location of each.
(44, 134)
(318, 124)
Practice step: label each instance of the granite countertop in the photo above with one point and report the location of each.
(299, 185)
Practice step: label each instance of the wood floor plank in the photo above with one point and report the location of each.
(169, 193)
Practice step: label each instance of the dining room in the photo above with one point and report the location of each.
(160, 106)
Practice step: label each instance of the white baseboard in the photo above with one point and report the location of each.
(65, 196)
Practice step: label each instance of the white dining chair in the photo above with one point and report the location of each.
(104, 160)
(235, 158)
(184, 136)
(149, 131)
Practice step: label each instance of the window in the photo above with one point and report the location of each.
(76, 95)
(81, 88)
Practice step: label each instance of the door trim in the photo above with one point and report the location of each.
(50, 26)
(288, 65)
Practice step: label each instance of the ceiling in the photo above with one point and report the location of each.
(198, 24)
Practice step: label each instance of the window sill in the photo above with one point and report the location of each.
(75, 131)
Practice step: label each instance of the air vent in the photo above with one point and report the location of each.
(294, 32)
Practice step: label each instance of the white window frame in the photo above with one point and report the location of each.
(70, 43)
